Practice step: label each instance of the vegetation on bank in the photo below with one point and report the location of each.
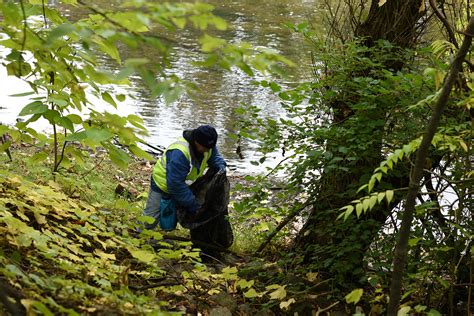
(374, 215)
(69, 245)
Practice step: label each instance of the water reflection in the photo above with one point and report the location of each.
(219, 92)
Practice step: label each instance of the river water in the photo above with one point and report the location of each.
(220, 92)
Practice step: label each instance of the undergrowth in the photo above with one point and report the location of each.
(68, 245)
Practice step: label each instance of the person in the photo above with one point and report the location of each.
(182, 163)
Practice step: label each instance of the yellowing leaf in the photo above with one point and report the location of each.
(389, 195)
(463, 145)
(229, 273)
(243, 284)
(105, 256)
(422, 7)
(373, 201)
(286, 304)
(311, 276)
(365, 205)
(380, 196)
(252, 293)
(354, 296)
(213, 291)
(278, 294)
(142, 255)
(382, 2)
(359, 207)
(403, 311)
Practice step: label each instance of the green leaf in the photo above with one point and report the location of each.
(108, 98)
(371, 184)
(179, 22)
(413, 241)
(118, 156)
(38, 157)
(372, 201)
(137, 151)
(66, 123)
(42, 308)
(390, 164)
(403, 311)
(278, 294)
(110, 49)
(354, 296)
(229, 273)
(135, 62)
(121, 97)
(24, 94)
(362, 188)
(433, 312)
(286, 304)
(61, 30)
(243, 284)
(251, 293)
(359, 208)
(52, 116)
(389, 195)
(146, 219)
(142, 255)
(36, 107)
(4, 146)
(209, 43)
(365, 205)
(58, 101)
(99, 134)
(76, 136)
(74, 118)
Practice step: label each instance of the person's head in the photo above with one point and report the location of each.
(204, 137)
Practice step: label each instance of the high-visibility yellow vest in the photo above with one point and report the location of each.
(159, 171)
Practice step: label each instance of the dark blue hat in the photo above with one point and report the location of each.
(205, 135)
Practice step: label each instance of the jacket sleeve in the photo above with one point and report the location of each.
(216, 161)
(177, 169)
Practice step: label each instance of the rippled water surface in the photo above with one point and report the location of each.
(257, 22)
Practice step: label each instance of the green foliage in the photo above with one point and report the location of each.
(71, 248)
(68, 256)
(356, 115)
(60, 59)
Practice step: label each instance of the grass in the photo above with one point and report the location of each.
(95, 180)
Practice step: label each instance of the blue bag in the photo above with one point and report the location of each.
(168, 218)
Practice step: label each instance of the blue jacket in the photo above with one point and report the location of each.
(177, 168)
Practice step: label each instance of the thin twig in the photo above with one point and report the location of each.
(44, 14)
(281, 225)
(117, 24)
(93, 168)
(153, 285)
(278, 165)
(25, 25)
(322, 310)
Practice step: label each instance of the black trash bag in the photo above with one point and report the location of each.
(210, 225)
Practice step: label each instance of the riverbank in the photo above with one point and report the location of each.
(68, 245)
